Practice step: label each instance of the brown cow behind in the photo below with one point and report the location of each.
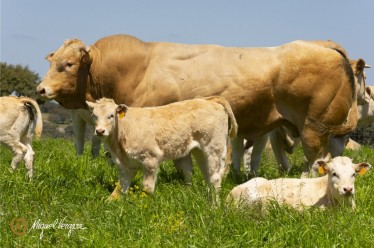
(305, 86)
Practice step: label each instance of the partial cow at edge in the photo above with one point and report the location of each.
(282, 140)
(141, 138)
(20, 119)
(336, 188)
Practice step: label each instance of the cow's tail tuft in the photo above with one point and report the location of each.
(233, 129)
(36, 115)
(339, 130)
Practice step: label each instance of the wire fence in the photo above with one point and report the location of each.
(364, 135)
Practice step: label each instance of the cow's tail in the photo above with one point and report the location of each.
(340, 130)
(350, 124)
(233, 126)
(35, 115)
(233, 130)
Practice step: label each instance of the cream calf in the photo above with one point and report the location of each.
(140, 138)
(20, 118)
(335, 188)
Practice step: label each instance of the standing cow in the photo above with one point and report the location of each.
(20, 119)
(140, 138)
(307, 87)
(282, 140)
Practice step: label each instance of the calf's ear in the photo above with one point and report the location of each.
(49, 57)
(121, 110)
(362, 168)
(321, 167)
(90, 105)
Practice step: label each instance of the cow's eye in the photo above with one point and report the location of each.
(68, 64)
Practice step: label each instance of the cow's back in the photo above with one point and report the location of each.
(174, 127)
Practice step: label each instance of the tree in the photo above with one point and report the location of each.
(18, 79)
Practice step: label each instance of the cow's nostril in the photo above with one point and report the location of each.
(42, 91)
(100, 132)
(348, 190)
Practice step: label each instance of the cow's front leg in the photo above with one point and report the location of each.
(125, 177)
(150, 175)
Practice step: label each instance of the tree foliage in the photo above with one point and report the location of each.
(18, 79)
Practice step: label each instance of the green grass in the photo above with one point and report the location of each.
(74, 189)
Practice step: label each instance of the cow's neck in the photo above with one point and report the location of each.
(106, 80)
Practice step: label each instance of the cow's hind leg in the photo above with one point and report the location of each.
(17, 148)
(258, 147)
(29, 156)
(184, 165)
(237, 154)
(210, 164)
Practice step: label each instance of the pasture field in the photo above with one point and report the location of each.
(67, 198)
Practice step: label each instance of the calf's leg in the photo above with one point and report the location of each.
(185, 166)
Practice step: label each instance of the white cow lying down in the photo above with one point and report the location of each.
(140, 138)
(335, 188)
(20, 118)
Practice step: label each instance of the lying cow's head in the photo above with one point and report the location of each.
(67, 75)
(106, 113)
(341, 175)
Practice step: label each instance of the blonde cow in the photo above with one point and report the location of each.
(305, 86)
(282, 140)
(20, 119)
(140, 138)
(335, 188)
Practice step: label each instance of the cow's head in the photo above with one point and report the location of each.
(106, 113)
(66, 78)
(341, 176)
(366, 109)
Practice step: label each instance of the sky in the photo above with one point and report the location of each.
(32, 29)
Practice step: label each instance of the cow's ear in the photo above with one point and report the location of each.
(90, 105)
(85, 57)
(321, 167)
(362, 168)
(49, 57)
(121, 110)
(368, 90)
(360, 66)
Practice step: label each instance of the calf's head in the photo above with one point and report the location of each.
(341, 173)
(66, 78)
(106, 113)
